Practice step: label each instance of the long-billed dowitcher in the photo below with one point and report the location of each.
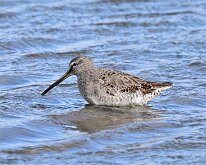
(110, 87)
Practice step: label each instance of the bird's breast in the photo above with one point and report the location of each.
(88, 88)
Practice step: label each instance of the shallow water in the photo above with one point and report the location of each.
(154, 39)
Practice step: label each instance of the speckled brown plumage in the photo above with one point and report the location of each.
(110, 87)
(126, 83)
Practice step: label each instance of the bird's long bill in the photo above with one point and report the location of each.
(66, 75)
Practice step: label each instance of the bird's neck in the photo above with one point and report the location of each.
(87, 75)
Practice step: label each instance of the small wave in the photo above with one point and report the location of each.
(11, 81)
(7, 15)
(197, 63)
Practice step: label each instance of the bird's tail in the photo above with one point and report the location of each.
(163, 85)
(156, 89)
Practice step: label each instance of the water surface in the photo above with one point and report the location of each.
(155, 39)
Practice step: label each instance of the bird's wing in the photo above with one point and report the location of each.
(125, 83)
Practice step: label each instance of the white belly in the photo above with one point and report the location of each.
(93, 94)
(120, 99)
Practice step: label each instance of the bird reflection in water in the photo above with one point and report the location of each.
(93, 118)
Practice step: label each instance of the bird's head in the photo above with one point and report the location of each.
(77, 66)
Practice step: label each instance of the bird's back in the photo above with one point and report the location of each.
(119, 88)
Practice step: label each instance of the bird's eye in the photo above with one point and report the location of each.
(74, 64)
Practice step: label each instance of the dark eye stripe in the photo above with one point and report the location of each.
(74, 59)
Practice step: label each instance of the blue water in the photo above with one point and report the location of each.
(154, 39)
